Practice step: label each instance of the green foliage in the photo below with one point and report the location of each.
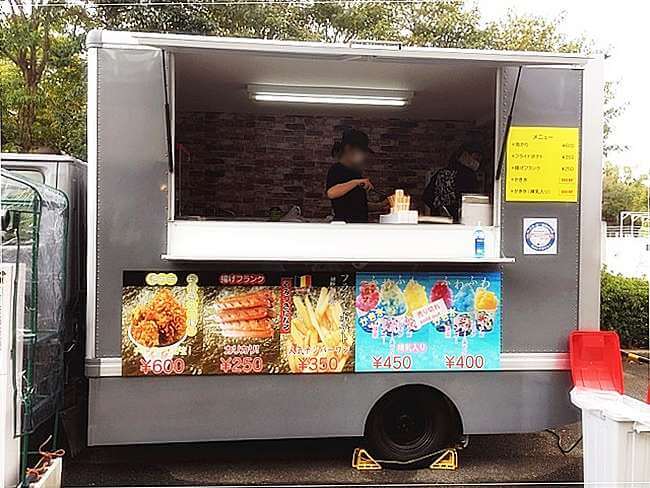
(43, 76)
(531, 33)
(622, 191)
(448, 23)
(13, 93)
(444, 23)
(268, 21)
(329, 22)
(347, 21)
(192, 18)
(613, 110)
(624, 308)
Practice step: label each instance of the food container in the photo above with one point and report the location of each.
(475, 210)
(157, 353)
(400, 212)
(403, 217)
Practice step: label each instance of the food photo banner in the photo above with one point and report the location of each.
(428, 321)
(211, 323)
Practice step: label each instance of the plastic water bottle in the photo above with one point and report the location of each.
(479, 242)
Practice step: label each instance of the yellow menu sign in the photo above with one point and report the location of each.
(542, 164)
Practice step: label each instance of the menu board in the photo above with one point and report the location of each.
(211, 323)
(428, 321)
(542, 164)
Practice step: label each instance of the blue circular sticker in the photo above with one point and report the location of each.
(540, 236)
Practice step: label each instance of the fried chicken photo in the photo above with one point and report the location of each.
(161, 322)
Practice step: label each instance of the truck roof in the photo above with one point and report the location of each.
(384, 50)
(38, 158)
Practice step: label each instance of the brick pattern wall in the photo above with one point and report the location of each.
(246, 164)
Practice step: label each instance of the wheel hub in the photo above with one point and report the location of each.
(406, 427)
(406, 423)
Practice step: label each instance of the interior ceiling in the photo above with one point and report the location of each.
(216, 82)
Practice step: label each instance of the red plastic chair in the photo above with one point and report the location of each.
(595, 358)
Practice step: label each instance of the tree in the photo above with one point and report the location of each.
(347, 21)
(447, 23)
(444, 23)
(622, 191)
(531, 33)
(187, 17)
(12, 91)
(329, 22)
(262, 21)
(613, 110)
(43, 73)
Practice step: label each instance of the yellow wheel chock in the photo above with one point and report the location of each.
(446, 460)
(363, 461)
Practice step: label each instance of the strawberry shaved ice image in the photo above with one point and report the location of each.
(442, 291)
(368, 296)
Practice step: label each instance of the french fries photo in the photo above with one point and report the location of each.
(319, 341)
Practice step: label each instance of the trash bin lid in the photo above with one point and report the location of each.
(614, 406)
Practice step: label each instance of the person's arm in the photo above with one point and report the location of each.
(337, 191)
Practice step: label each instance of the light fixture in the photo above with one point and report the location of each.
(329, 95)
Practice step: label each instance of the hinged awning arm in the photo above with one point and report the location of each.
(168, 127)
(504, 140)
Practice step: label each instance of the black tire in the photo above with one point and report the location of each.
(410, 422)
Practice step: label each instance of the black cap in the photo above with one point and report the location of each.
(356, 139)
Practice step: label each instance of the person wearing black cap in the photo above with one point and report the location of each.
(445, 190)
(346, 187)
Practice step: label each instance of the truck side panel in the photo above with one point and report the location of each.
(178, 409)
(131, 180)
(541, 291)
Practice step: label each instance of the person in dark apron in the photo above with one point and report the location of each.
(346, 186)
(445, 190)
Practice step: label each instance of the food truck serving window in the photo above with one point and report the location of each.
(347, 158)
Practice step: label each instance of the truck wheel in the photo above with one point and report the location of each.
(411, 422)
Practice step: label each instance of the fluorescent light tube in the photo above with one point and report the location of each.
(329, 95)
(288, 98)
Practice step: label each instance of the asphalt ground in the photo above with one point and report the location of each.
(511, 458)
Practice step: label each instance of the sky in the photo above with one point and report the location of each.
(621, 28)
